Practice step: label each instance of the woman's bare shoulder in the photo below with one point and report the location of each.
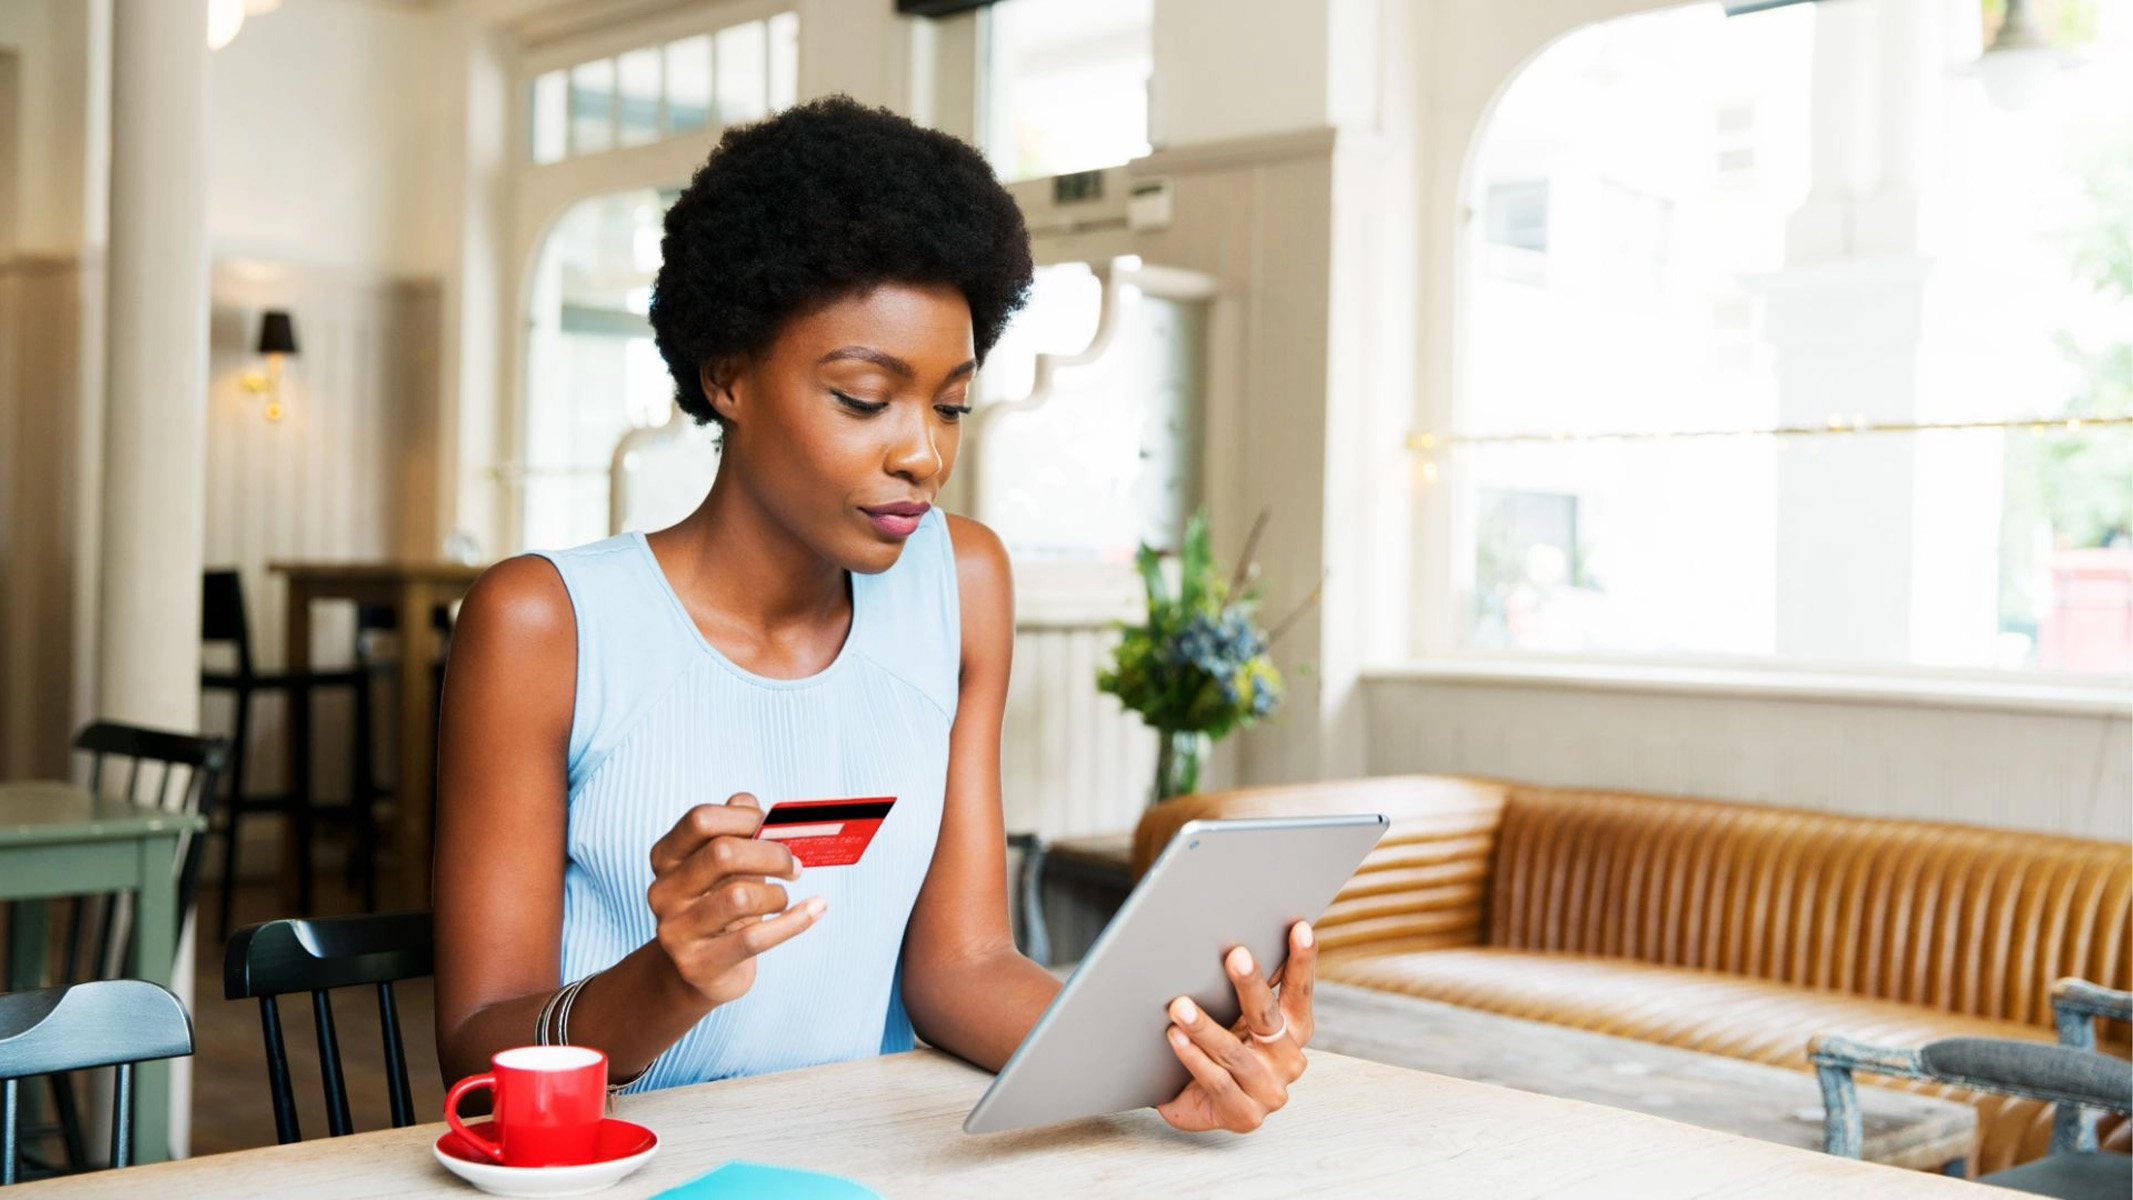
(520, 598)
(982, 573)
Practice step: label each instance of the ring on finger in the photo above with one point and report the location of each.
(1268, 1039)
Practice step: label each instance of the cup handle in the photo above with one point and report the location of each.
(451, 1115)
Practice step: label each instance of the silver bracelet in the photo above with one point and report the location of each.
(561, 1002)
(565, 999)
(540, 1024)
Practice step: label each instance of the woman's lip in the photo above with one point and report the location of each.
(895, 525)
(904, 508)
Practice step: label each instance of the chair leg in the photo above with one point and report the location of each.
(363, 794)
(300, 811)
(229, 874)
(236, 811)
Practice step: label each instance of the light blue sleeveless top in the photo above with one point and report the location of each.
(663, 722)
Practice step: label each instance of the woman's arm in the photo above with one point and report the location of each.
(502, 795)
(966, 987)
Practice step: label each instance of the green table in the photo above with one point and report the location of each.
(58, 840)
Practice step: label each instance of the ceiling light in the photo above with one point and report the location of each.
(224, 19)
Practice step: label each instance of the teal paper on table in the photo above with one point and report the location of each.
(755, 1180)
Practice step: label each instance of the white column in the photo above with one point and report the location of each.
(1861, 319)
(155, 414)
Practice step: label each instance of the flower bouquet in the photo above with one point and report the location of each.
(1198, 667)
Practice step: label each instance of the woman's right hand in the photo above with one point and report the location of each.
(712, 892)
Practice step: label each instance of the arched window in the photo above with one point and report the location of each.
(1729, 288)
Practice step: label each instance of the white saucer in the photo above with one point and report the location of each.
(546, 1181)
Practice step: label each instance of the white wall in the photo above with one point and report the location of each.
(320, 150)
(64, 106)
(2020, 762)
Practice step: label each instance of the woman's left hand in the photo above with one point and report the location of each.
(1242, 1073)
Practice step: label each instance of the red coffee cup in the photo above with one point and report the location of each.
(549, 1104)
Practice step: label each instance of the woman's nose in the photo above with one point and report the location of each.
(915, 455)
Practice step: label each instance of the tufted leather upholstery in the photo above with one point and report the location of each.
(1421, 888)
(1729, 928)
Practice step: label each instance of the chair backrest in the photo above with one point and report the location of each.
(174, 772)
(110, 1022)
(222, 616)
(267, 961)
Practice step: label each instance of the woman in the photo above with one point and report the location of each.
(616, 716)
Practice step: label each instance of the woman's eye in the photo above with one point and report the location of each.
(857, 405)
(952, 413)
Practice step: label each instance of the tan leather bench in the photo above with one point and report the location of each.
(1734, 929)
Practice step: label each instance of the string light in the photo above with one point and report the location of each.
(1427, 444)
(1838, 423)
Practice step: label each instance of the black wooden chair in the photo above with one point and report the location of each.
(268, 961)
(110, 1022)
(223, 621)
(175, 772)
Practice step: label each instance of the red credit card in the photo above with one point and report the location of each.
(826, 833)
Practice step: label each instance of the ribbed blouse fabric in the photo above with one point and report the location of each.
(663, 721)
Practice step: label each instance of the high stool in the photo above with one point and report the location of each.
(222, 621)
(374, 621)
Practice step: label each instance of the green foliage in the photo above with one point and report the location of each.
(1199, 663)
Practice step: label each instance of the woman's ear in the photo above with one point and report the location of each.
(717, 380)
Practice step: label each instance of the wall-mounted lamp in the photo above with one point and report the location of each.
(277, 337)
(226, 17)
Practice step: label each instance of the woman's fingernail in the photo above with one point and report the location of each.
(1183, 1011)
(1303, 934)
(1177, 1037)
(1240, 961)
(815, 906)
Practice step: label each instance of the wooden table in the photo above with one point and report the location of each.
(58, 840)
(413, 589)
(1730, 1095)
(1352, 1128)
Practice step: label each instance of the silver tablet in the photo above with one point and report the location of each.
(1100, 1047)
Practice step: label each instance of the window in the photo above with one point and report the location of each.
(1109, 460)
(739, 73)
(1066, 85)
(1687, 236)
(593, 374)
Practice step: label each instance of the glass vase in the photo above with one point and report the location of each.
(1178, 755)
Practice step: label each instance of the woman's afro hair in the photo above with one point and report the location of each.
(821, 201)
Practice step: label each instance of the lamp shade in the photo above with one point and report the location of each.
(277, 333)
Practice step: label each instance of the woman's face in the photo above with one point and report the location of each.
(847, 427)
